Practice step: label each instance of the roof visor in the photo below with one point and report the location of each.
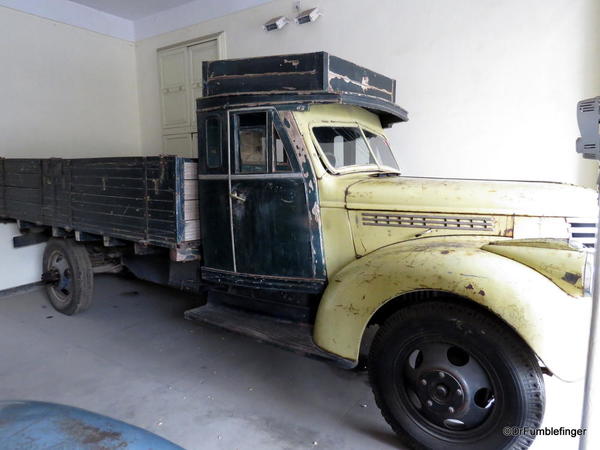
(299, 79)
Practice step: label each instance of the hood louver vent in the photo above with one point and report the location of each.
(434, 222)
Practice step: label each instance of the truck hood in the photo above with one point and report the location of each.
(471, 196)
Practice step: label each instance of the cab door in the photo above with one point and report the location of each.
(269, 210)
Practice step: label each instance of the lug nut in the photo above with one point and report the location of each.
(424, 382)
(451, 410)
(429, 403)
(459, 392)
(442, 374)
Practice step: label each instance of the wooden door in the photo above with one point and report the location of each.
(180, 71)
(174, 90)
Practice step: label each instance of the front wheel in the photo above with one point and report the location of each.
(448, 376)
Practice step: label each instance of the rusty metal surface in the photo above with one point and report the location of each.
(562, 264)
(299, 149)
(454, 196)
(298, 79)
(258, 281)
(318, 71)
(529, 302)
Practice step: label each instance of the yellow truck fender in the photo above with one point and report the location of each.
(553, 323)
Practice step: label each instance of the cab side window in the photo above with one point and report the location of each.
(213, 142)
(258, 146)
(252, 143)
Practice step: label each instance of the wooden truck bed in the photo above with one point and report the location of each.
(150, 200)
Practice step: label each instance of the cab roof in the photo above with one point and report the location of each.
(297, 81)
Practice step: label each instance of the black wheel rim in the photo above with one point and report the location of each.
(449, 391)
(62, 272)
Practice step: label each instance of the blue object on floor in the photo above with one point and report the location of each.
(39, 425)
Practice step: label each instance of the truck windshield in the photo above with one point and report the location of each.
(345, 147)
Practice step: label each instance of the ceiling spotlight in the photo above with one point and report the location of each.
(310, 15)
(276, 23)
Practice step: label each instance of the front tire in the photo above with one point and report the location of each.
(448, 376)
(69, 274)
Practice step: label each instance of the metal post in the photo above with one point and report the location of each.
(589, 375)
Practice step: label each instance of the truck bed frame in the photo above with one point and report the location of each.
(147, 200)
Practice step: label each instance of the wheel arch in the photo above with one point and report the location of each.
(407, 299)
(372, 288)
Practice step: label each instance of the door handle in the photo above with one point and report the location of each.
(234, 195)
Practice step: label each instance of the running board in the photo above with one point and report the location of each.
(292, 336)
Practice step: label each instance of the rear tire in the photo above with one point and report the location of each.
(448, 376)
(69, 267)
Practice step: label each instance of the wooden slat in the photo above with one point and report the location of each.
(128, 198)
(30, 212)
(25, 180)
(22, 166)
(192, 230)
(190, 170)
(93, 199)
(113, 209)
(168, 216)
(108, 181)
(190, 190)
(124, 172)
(29, 195)
(108, 191)
(191, 210)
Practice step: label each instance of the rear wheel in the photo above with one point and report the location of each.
(69, 276)
(447, 376)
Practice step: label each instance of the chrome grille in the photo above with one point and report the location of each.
(583, 231)
(434, 222)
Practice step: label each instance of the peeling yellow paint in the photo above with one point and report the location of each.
(556, 260)
(532, 304)
(535, 286)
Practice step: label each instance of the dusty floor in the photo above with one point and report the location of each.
(133, 357)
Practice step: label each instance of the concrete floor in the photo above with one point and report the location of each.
(133, 357)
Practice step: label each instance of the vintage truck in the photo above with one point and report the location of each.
(296, 227)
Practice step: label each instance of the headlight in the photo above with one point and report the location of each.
(540, 227)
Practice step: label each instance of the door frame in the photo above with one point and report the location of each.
(219, 37)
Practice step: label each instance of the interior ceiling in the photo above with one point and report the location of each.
(133, 9)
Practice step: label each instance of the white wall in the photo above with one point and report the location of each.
(193, 12)
(69, 12)
(491, 86)
(66, 92)
(18, 266)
